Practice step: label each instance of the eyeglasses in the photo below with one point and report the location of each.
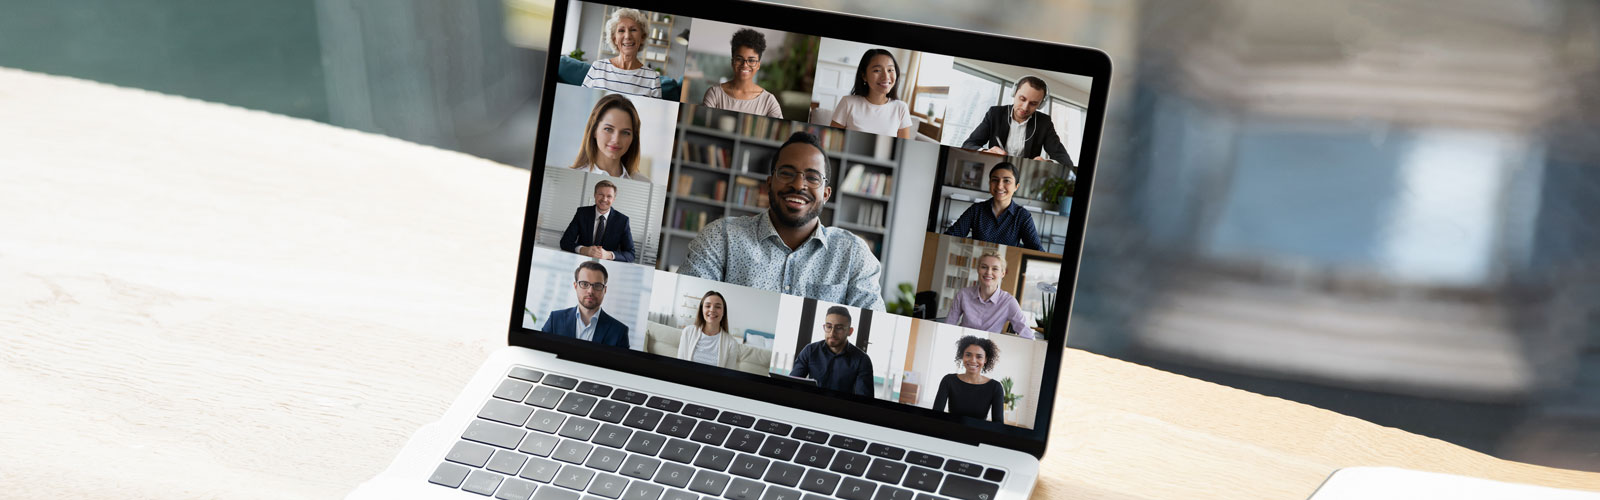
(828, 327)
(598, 287)
(746, 61)
(787, 176)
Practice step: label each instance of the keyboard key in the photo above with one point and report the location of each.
(679, 495)
(515, 489)
(819, 481)
(708, 482)
(922, 478)
(486, 432)
(714, 458)
(526, 374)
(850, 464)
(594, 389)
(994, 475)
(699, 411)
(856, 489)
(744, 489)
(572, 452)
(813, 496)
(784, 473)
(925, 496)
(449, 474)
(548, 493)
(811, 435)
(640, 467)
(711, 433)
(576, 478)
(678, 450)
(577, 404)
(924, 459)
(579, 428)
(747, 465)
(886, 451)
(887, 471)
(643, 418)
(560, 381)
(469, 453)
(633, 397)
(963, 468)
(505, 413)
(814, 456)
(539, 444)
(646, 443)
(780, 448)
(608, 485)
(546, 421)
(606, 459)
(771, 427)
(664, 404)
(848, 443)
(544, 397)
(640, 490)
(966, 488)
(482, 482)
(778, 493)
(672, 474)
(737, 419)
(608, 410)
(677, 425)
(886, 492)
(745, 440)
(539, 469)
(507, 462)
(512, 390)
(612, 435)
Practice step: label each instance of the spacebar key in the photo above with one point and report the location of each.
(966, 488)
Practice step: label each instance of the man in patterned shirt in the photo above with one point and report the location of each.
(998, 220)
(787, 249)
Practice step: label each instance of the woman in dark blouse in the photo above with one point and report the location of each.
(969, 393)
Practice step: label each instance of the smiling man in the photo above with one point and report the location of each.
(985, 306)
(1019, 129)
(598, 231)
(787, 249)
(998, 219)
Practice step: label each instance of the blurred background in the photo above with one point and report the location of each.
(1381, 208)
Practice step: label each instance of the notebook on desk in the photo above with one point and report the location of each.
(790, 188)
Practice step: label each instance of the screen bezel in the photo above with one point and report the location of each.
(957, 43)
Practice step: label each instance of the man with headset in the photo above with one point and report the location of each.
(1018, 129)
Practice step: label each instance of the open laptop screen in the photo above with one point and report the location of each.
(870, 222)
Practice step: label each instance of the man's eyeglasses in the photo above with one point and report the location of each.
(598, 287)
(830, 327)
(787, 176)
(746, 61)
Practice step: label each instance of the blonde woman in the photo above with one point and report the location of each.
(708, 341)
(611, 140)
(625, 73)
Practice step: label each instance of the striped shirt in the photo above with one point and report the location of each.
(971, 310)
(1014, 227)
(604, 75)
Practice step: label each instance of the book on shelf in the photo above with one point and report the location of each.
(859, 181)
(747, 192)
(685, 184)
(713, 155)
(721, 193)
(870, 215)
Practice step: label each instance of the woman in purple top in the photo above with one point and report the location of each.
(985, 306)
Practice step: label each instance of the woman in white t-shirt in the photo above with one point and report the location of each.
(707, 341)
(874, 103)
(611, 140)
(624, 73)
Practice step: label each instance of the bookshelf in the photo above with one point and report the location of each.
(721, 158)
(959, 268)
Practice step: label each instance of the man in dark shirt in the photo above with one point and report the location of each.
(833, 362)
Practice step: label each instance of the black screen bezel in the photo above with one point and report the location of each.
(962, 44)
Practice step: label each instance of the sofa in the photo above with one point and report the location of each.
(571, 72)
(663, 339)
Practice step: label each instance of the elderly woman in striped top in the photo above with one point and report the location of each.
(985, 306)
(625, 73)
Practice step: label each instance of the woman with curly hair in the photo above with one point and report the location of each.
(969, 393)
(624, 73)
(741, 93)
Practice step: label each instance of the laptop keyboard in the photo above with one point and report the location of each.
(552, 437)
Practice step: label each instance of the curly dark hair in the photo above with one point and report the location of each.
(991, 352)
(750, 38)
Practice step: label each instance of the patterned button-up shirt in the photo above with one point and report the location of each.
(833, 264)
(1014, 227)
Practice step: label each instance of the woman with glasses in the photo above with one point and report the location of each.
(611, 140)
(741, 93)
(708, 340)
(874, 103)
(625, 73)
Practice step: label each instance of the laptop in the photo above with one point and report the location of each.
(774, 253)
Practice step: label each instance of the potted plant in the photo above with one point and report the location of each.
(1047, 292)
(902, 303)
(576, 54)
(1011, 398)
(790, 75)
(1058, 191)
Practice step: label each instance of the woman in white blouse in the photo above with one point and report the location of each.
(625, 73)
(707, 341)
(611, 140)
(874, 103)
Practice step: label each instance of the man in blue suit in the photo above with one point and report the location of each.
(598, 231)
(586, 321)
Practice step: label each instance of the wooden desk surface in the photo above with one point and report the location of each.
(205, 301)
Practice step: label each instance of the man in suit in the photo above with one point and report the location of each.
(1019, 129)
(598, 231)
(586, 321)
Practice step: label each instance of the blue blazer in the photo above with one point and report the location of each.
(564, 322)
(618, 238)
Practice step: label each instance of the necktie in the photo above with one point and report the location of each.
(599, 230)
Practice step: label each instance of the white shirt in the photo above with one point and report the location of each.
(596, 228)
(597, 170)
(857, 113)
(1017, 138)
(707, 349)
(586, 332)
